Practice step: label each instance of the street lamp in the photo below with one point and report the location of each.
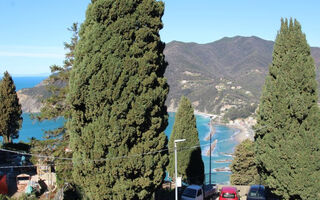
(175, 163)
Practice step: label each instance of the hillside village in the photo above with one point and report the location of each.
(247, 105)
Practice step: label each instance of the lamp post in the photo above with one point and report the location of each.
(175, 163)
(211, 127)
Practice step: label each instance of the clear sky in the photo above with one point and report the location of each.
(33, 31)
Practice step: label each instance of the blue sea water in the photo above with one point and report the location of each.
(27, 82)
(33, 128)
(225, 144)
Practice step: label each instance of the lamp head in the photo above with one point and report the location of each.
(179, 140)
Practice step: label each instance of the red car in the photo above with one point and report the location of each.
(229, 193)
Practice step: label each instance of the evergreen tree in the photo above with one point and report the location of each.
(55, 106)
(243, 167)
(190, 165)
(117, 95)
(288, 128)
(10, 110)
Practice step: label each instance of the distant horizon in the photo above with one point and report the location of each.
(28, 75)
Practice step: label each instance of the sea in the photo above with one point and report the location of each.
(220, 157)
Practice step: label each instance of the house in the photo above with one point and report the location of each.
(3, 184)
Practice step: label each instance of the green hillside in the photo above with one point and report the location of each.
(223, 76)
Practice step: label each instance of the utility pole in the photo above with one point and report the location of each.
(210, 158)
(175, 164)
(211, 128)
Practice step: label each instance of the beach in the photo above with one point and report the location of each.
(222, 149)
(242, 127)
(196, 112)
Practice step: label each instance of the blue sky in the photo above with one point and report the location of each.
(33, 31)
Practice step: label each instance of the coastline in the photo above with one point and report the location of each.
(240, 132)
(196, 112)
(242, 127)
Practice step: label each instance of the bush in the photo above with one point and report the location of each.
(244, 112)
(3, 197)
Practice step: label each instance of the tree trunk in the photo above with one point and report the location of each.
(7, 139)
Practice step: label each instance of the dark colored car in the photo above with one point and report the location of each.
(257, 192)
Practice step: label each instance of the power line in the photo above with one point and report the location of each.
(118, 157)
(170, 150)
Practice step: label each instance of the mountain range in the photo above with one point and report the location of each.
(217, 77)
(228, 73)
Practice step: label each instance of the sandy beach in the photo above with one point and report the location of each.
(196, 112)
(242, 127)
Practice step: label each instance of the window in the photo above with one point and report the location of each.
(256, 193)
(228, 195)
(199, 193)
(189, 193)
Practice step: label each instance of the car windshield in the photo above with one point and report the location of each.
(228, 195)
(256, 193)
(189, 193)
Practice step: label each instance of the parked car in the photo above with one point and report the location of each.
(197, 192)
(229, 193)
(256, 192)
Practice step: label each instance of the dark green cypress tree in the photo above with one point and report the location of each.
(288, 128)
(117, 94)
(10, 110)
(190, 164)
(243, 167)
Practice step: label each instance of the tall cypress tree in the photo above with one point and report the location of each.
(10, 110)
(190, 164)
(117, 95)
(288, 128)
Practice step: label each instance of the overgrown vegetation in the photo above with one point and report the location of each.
(242, 112)
(288, 129)
(55, 106)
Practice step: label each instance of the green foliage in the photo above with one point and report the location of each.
(10, 110)
(22, 197)
(288, 128)
(117, 94)
(55, 106)
(190, 164)
(243, 167)
(244, 112)
(20, 146)
(27, 197)
(4, 197)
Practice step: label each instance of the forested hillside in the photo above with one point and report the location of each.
(227, 74)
